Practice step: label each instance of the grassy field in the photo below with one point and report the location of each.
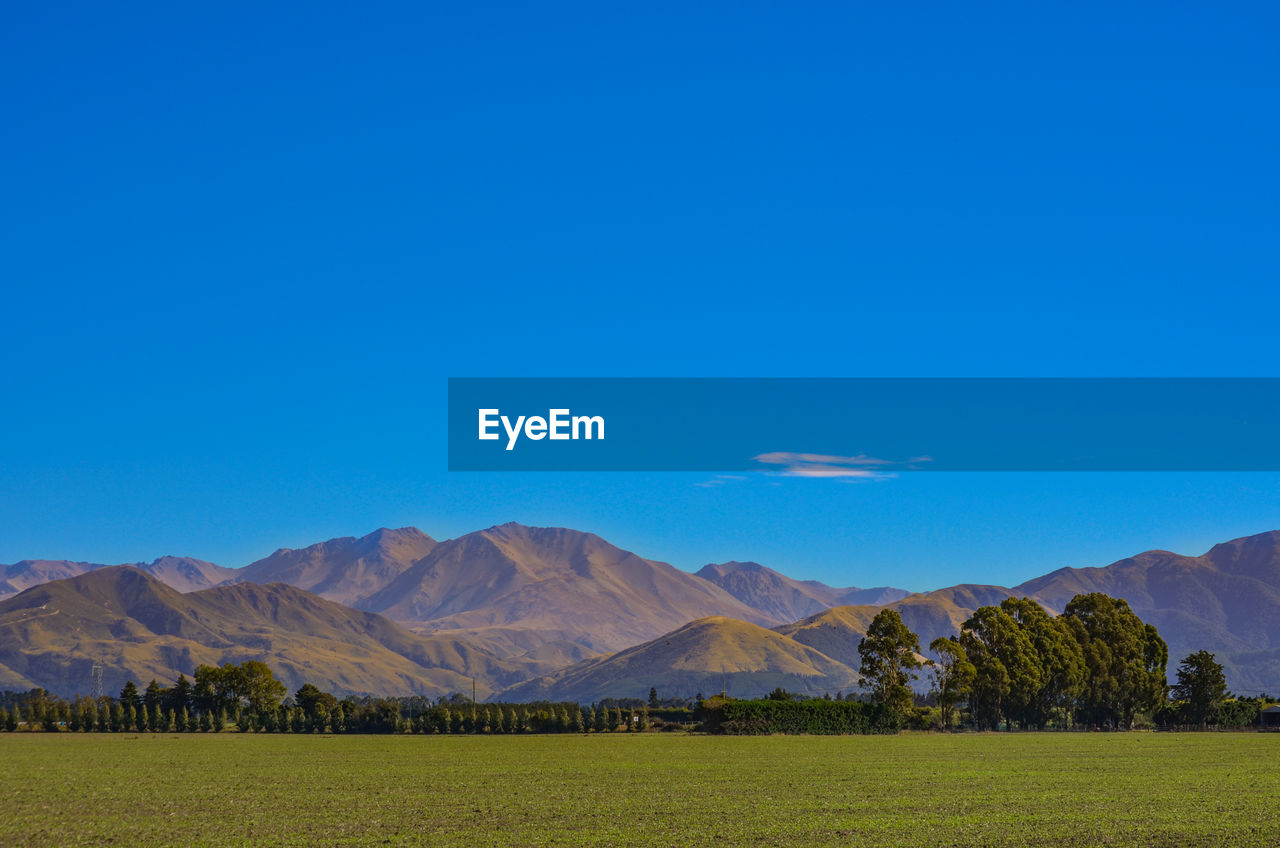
(644, 789)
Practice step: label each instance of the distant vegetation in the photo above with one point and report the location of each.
(1013, 666)
(1016, 666)
(249, 698)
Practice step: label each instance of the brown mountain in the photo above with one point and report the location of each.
(139, 629)
(563, 585)
(186, 574)
(1226, 600)
(785, 599)
(345, 570)
(32, 572)
(702, 656)
(182, 573)
(837, 631)
(551, 598)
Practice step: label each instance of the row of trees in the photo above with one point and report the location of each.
(1015, 665)
(249, 698)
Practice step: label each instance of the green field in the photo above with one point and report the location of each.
(640, 789)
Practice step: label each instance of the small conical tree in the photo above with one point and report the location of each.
(219, 720)
(599, 718)
(616, 718)
(103, 724)
(644, 719)
(4, 719)
(130, 718)
(117, 718)
(205, 722)
(14, 719)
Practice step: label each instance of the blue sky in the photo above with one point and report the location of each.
(244, 249)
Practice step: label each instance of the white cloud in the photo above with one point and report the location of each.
(860, 467)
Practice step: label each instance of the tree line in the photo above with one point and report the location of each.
(1017, 666)
(249, 698)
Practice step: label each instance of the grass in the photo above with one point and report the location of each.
(645, 789)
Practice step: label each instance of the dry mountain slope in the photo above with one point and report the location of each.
(702, 656)
(785, 599)
(1226, 601)
(555, 583)
(182, 573)
(140, 629)
(837, 631)
(345, 570)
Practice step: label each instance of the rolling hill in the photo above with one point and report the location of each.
(139, 629)
(702, 656)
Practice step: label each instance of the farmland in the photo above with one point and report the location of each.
(640, 789)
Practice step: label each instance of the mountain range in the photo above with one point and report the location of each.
(551, 612)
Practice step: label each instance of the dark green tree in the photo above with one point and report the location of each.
(129, 696)
(178, 697)
(952, 676)
(889, 661)
(1062, 666)
(1201, 686)
(1007, 673)
(153, 696)
(1125, 660)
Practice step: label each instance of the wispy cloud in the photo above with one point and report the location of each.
(720, 480)
(860, 467)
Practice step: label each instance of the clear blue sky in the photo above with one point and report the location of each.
(243, 249)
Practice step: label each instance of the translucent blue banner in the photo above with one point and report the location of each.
(863, 426)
